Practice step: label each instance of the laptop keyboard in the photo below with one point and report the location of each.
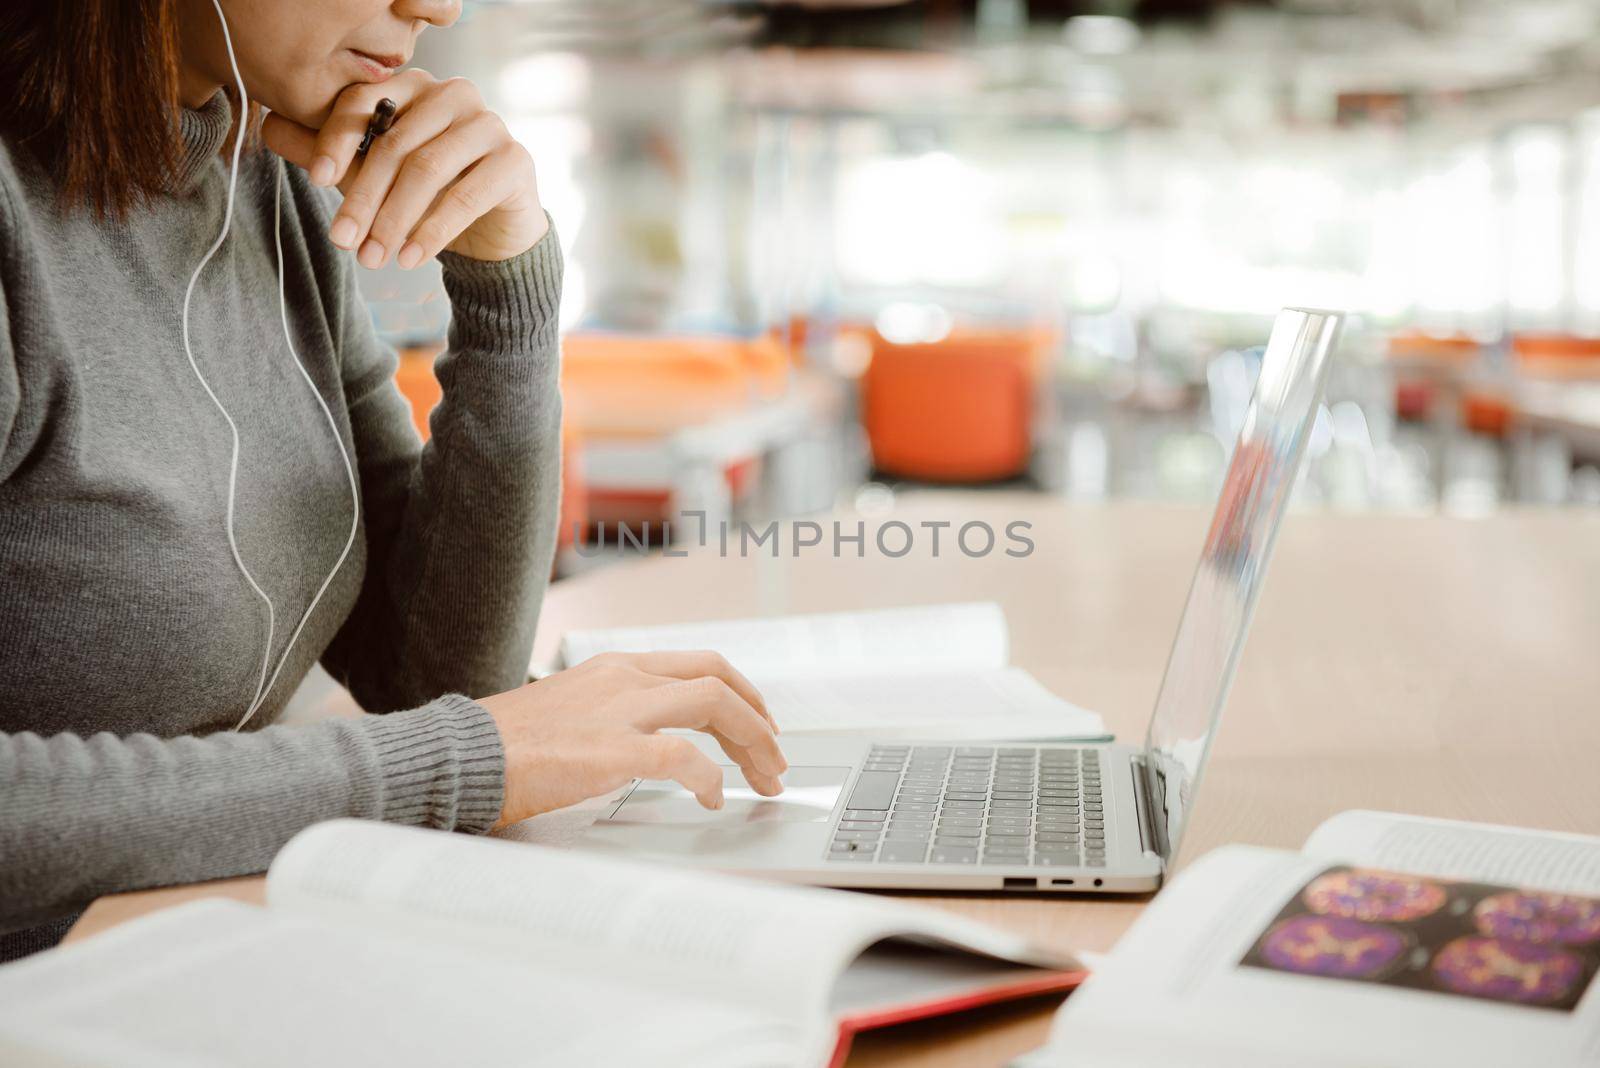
(974, 805)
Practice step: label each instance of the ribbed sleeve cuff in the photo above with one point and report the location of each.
(441, 765)
(505, 307)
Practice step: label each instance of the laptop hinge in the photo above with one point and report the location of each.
(1141, 795)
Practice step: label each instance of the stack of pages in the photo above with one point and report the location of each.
(940, 673)
(394, 946)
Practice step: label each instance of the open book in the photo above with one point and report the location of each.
(1388, 940)
(938, 673)
(395, 946)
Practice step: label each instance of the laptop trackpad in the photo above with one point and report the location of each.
(809, 794)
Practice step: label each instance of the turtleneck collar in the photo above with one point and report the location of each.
(203, 131)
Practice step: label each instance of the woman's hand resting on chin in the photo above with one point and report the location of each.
(447, 175)
(590, 729)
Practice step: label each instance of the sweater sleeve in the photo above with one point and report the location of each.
(81, 817)
(461, 531)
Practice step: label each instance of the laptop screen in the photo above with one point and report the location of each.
(1233, 563)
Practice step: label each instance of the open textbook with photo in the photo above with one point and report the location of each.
(939, 672)
(1388, 940)
(395, 946)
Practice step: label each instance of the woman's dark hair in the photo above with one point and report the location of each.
(91, 86)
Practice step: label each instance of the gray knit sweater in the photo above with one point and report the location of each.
(129, 642)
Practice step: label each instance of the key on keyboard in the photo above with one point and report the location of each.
(965, 804)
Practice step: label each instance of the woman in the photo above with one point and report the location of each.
(188, 520)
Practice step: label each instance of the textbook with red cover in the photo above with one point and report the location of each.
(396, 946)
(926, 988)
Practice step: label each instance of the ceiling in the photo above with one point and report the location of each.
(1160, 54)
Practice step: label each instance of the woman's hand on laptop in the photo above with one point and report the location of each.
(588, 730)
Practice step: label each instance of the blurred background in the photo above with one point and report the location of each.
(821, 250)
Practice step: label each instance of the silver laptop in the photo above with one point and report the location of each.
(1006, 816)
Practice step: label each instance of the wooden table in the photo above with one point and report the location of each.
(1439, 666)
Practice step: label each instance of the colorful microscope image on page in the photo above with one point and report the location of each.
(1499, 943)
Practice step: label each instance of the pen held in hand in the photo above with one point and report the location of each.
(382, 119)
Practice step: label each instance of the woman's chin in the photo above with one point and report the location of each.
(308, 112)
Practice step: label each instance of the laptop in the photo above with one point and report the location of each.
(1068, 817)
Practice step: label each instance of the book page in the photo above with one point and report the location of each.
(776, 948)
(1258, 957)
(1002, 705)
(1450, 848)
(950, 637)
(701, 932)
(217, 982)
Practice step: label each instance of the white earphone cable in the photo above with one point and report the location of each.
(333, 426)
(264, 683)
(233, 429)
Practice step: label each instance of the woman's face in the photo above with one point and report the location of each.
(297, 55)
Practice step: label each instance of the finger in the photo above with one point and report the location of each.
(709, 704)
(428, 117)
(341, 135)
(691, 665)
(760, 781)
(426, 173)
(619, 672)
(490, 182)
(665, 756)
